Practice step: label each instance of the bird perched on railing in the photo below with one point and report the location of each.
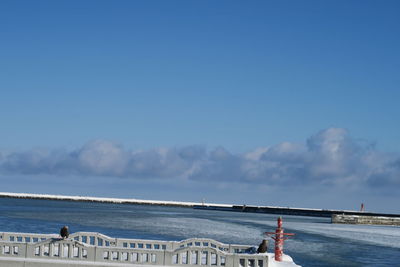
(64, 232)
(262, 248)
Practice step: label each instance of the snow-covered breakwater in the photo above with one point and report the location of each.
(205, 206)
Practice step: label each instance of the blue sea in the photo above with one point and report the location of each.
(317, 242)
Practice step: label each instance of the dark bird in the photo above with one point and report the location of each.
(262, 248)
(64, 232)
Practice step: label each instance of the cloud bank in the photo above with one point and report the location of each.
(330, 157)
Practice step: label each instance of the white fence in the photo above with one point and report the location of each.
(96, 247)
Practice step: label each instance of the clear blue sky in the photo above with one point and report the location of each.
(237, 75)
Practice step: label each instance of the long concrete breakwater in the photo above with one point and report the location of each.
(293, 211)
(357, 219)
(328, 213)
(132, 201)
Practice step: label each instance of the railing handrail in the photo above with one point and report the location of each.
(103, 236)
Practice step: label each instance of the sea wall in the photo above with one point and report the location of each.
(292, 211)
(360, 219)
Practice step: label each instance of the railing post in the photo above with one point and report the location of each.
(26, 250)
(70, 251)
(51, 249)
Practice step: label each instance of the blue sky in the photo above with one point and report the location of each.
(165, 99)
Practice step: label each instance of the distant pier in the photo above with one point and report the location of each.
(294, 211)
(357, 219)
(131, 201)
(204, 206)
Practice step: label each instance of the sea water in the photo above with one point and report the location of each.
(317, 242)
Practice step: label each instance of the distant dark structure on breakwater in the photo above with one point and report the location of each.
(292, 211)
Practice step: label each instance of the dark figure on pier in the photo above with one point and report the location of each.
(64, 232)
(262, 248)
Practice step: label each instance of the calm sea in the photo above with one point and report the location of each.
(317, 241)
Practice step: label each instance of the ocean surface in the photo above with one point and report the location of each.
(317, 242)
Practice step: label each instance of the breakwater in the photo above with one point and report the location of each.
(204, 206)
(357, 219)
(293, 211)
(105, 200)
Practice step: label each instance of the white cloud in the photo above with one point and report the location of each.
(103, 157)
(330, 157)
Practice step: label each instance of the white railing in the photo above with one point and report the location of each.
(96, 247)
